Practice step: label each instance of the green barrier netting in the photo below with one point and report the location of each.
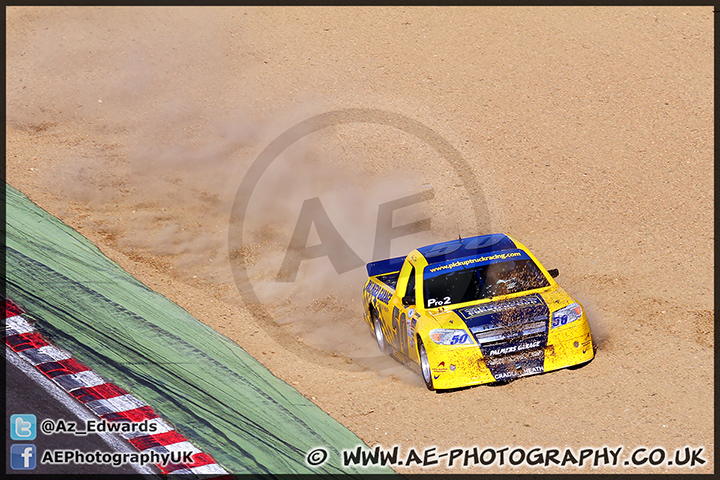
(214, 392)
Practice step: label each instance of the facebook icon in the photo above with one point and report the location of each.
(23, 456)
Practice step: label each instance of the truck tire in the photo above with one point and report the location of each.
(379, 335)
(425, 366)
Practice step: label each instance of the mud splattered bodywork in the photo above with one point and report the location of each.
(473, 311)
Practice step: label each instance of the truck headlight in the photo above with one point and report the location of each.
(443, 336)
(566, 315)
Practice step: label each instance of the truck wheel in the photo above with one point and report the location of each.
(379, 336)
(425, 366)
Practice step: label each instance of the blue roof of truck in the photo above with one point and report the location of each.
(466, 247)
(440, 252)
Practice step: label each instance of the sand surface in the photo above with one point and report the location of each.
(586, 133)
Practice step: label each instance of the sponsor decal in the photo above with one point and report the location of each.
(514, 359)
(495, 307)
(525, 371)
(479, 260)
(412, 323)
(378, 292)
(534, 370)
(434, 302)
(514, 348)
(409, 330)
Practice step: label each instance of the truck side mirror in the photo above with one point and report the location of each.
(408, 300)
(554, 272)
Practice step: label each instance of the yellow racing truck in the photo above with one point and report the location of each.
(473, 311)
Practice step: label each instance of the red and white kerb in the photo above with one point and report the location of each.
(107, 401)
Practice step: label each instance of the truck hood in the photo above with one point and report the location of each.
(512, 334)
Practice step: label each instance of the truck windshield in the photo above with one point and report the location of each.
(485, 281)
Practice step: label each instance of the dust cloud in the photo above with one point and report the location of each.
(320, 301)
